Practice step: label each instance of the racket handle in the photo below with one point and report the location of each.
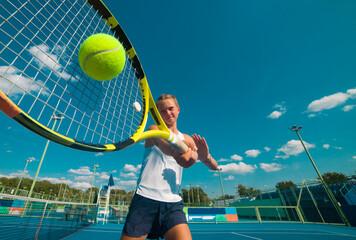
(178, 145)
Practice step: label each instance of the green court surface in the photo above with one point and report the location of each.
(240, 231)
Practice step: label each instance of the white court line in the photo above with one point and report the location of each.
(270, 232)
(227, 232)
(101, 231)
(342, 234)
(300, 233)
(246, 236)
(100, 228)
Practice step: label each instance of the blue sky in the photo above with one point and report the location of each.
(244, 72)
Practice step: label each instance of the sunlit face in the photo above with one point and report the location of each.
(169, 111)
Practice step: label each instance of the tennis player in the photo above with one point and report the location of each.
(156, 210)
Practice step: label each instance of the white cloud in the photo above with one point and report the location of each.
(326, 146)
(240, 168)
(280, 106)
(338, 148)
(224, 160)
(275, 114)
(14, 82)
(351, 92)
(281, 110)
(99, 154)
(252, 153)
(328, 102)
(132, 168)
(267, 149)
(7, 176)
(86, 178)
(17, 174)
(130, 183)
(348, 108)
(293, 147)
(331, 101)
(55, 180)
(128, 175)
(312, 115)
(82, 185)
(11, 76)
(44, 58)
(229, 178)
(236, 157)
(104, 175)
(84, 170)
(273, 167)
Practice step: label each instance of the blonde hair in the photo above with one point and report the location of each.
(167, 96)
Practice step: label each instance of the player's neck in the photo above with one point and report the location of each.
(173, 128)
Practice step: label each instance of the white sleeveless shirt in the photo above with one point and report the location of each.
(160, 177)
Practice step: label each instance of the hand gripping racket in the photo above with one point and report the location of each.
(40, 77)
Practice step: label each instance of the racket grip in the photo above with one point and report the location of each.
(178, 145)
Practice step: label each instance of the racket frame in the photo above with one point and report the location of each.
(149, 106)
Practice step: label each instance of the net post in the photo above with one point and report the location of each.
(258, 214)
(299, 215)
(283, 203)
(315, 204)
(298, 200)
(40, 223)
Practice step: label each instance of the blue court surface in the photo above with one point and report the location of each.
(240, 231)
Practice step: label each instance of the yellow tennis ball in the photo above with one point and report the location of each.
(102, 57)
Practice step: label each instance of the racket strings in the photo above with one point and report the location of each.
(40, 73)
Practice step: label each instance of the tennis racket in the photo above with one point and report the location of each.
(41, 81)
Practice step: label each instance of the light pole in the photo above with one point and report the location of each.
(198, 194)
(192, 192)
(92, 181)
(60, 188)
(222, 188)
(64, 192)
(187, 186)
(55, 118)
(326, 187)
(23, 173)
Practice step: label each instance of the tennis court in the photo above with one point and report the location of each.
(240, 231)
(28, 218)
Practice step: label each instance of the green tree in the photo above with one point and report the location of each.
(334, 177)
(242, 190)
(284, 185)
(196, 195)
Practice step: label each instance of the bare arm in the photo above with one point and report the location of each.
(203, 152)
(185, 160)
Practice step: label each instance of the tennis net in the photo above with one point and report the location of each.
(29, 218)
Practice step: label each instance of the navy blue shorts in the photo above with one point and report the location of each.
(155, 218)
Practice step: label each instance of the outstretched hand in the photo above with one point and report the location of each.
(203, 149)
